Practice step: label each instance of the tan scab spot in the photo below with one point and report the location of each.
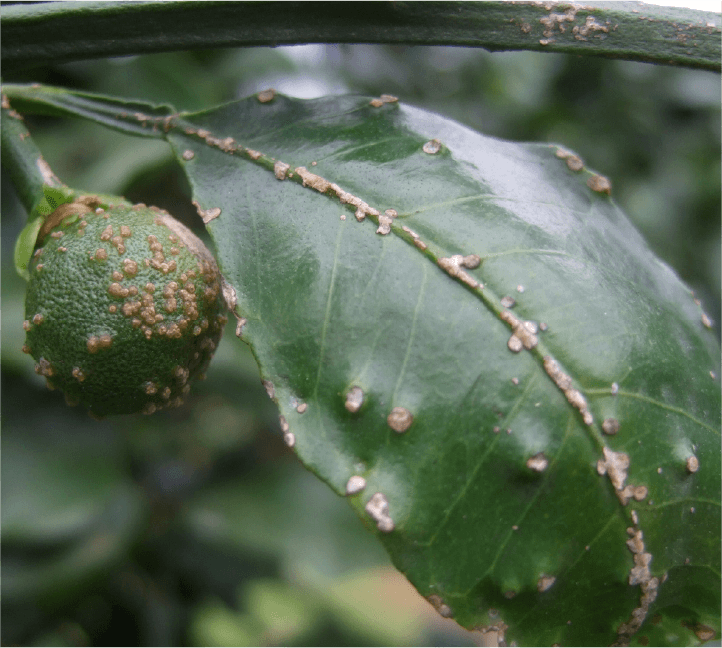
(93, 345)
(400, 419)
(706, 321)
(575, 163)
(610, 426)
(150, 388)
(266, 95)
(452, 266)
(538, 462)
(280, 169)
(117, 276)
(38, 318)
(545, 582)
(703, 632)
(312, 180)
(378, 508)
(384, 227)
(523, 332)
(615, 464)
(471, 261)
(692, 464)
(355, 485)
(376, 103)
(515, 344)
(639, 493)
(354, 399)
(289, 438)
(207, 214)
(600, 184)
(439, 605)
(56, 235)
(564, 382)
(44, 368)
(188, 155)
(26, 349)
(508, 301)
(107, 233)
(79, 374)
(432, 147)
(301, 408)
(130, 267)
(125, 231)
(130, 308)
(589, 27)
(26, 325)
(104, 341)
(101, 254)
(116, 290)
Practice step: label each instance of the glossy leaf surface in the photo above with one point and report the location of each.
(556, 479)
(488, 528)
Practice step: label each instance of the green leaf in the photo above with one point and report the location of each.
(60, 31)
(499, 510)
(558, 479)
(53, 197)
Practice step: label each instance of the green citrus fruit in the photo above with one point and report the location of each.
(124, 307)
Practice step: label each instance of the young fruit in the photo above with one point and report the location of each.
(124, 306)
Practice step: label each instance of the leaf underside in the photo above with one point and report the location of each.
(511, 505)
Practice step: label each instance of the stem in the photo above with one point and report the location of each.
(22, 159)
(52, 32)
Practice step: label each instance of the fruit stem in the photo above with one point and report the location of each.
(22, 159)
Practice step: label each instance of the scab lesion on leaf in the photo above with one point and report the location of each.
(266, 96)
(354, 399)
(378, 509)
(600, 184)
(383, 99)
(432, 147)
(355, 484)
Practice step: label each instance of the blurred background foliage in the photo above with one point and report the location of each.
(198, 526)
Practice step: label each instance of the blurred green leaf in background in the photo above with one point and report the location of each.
(198, 526)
